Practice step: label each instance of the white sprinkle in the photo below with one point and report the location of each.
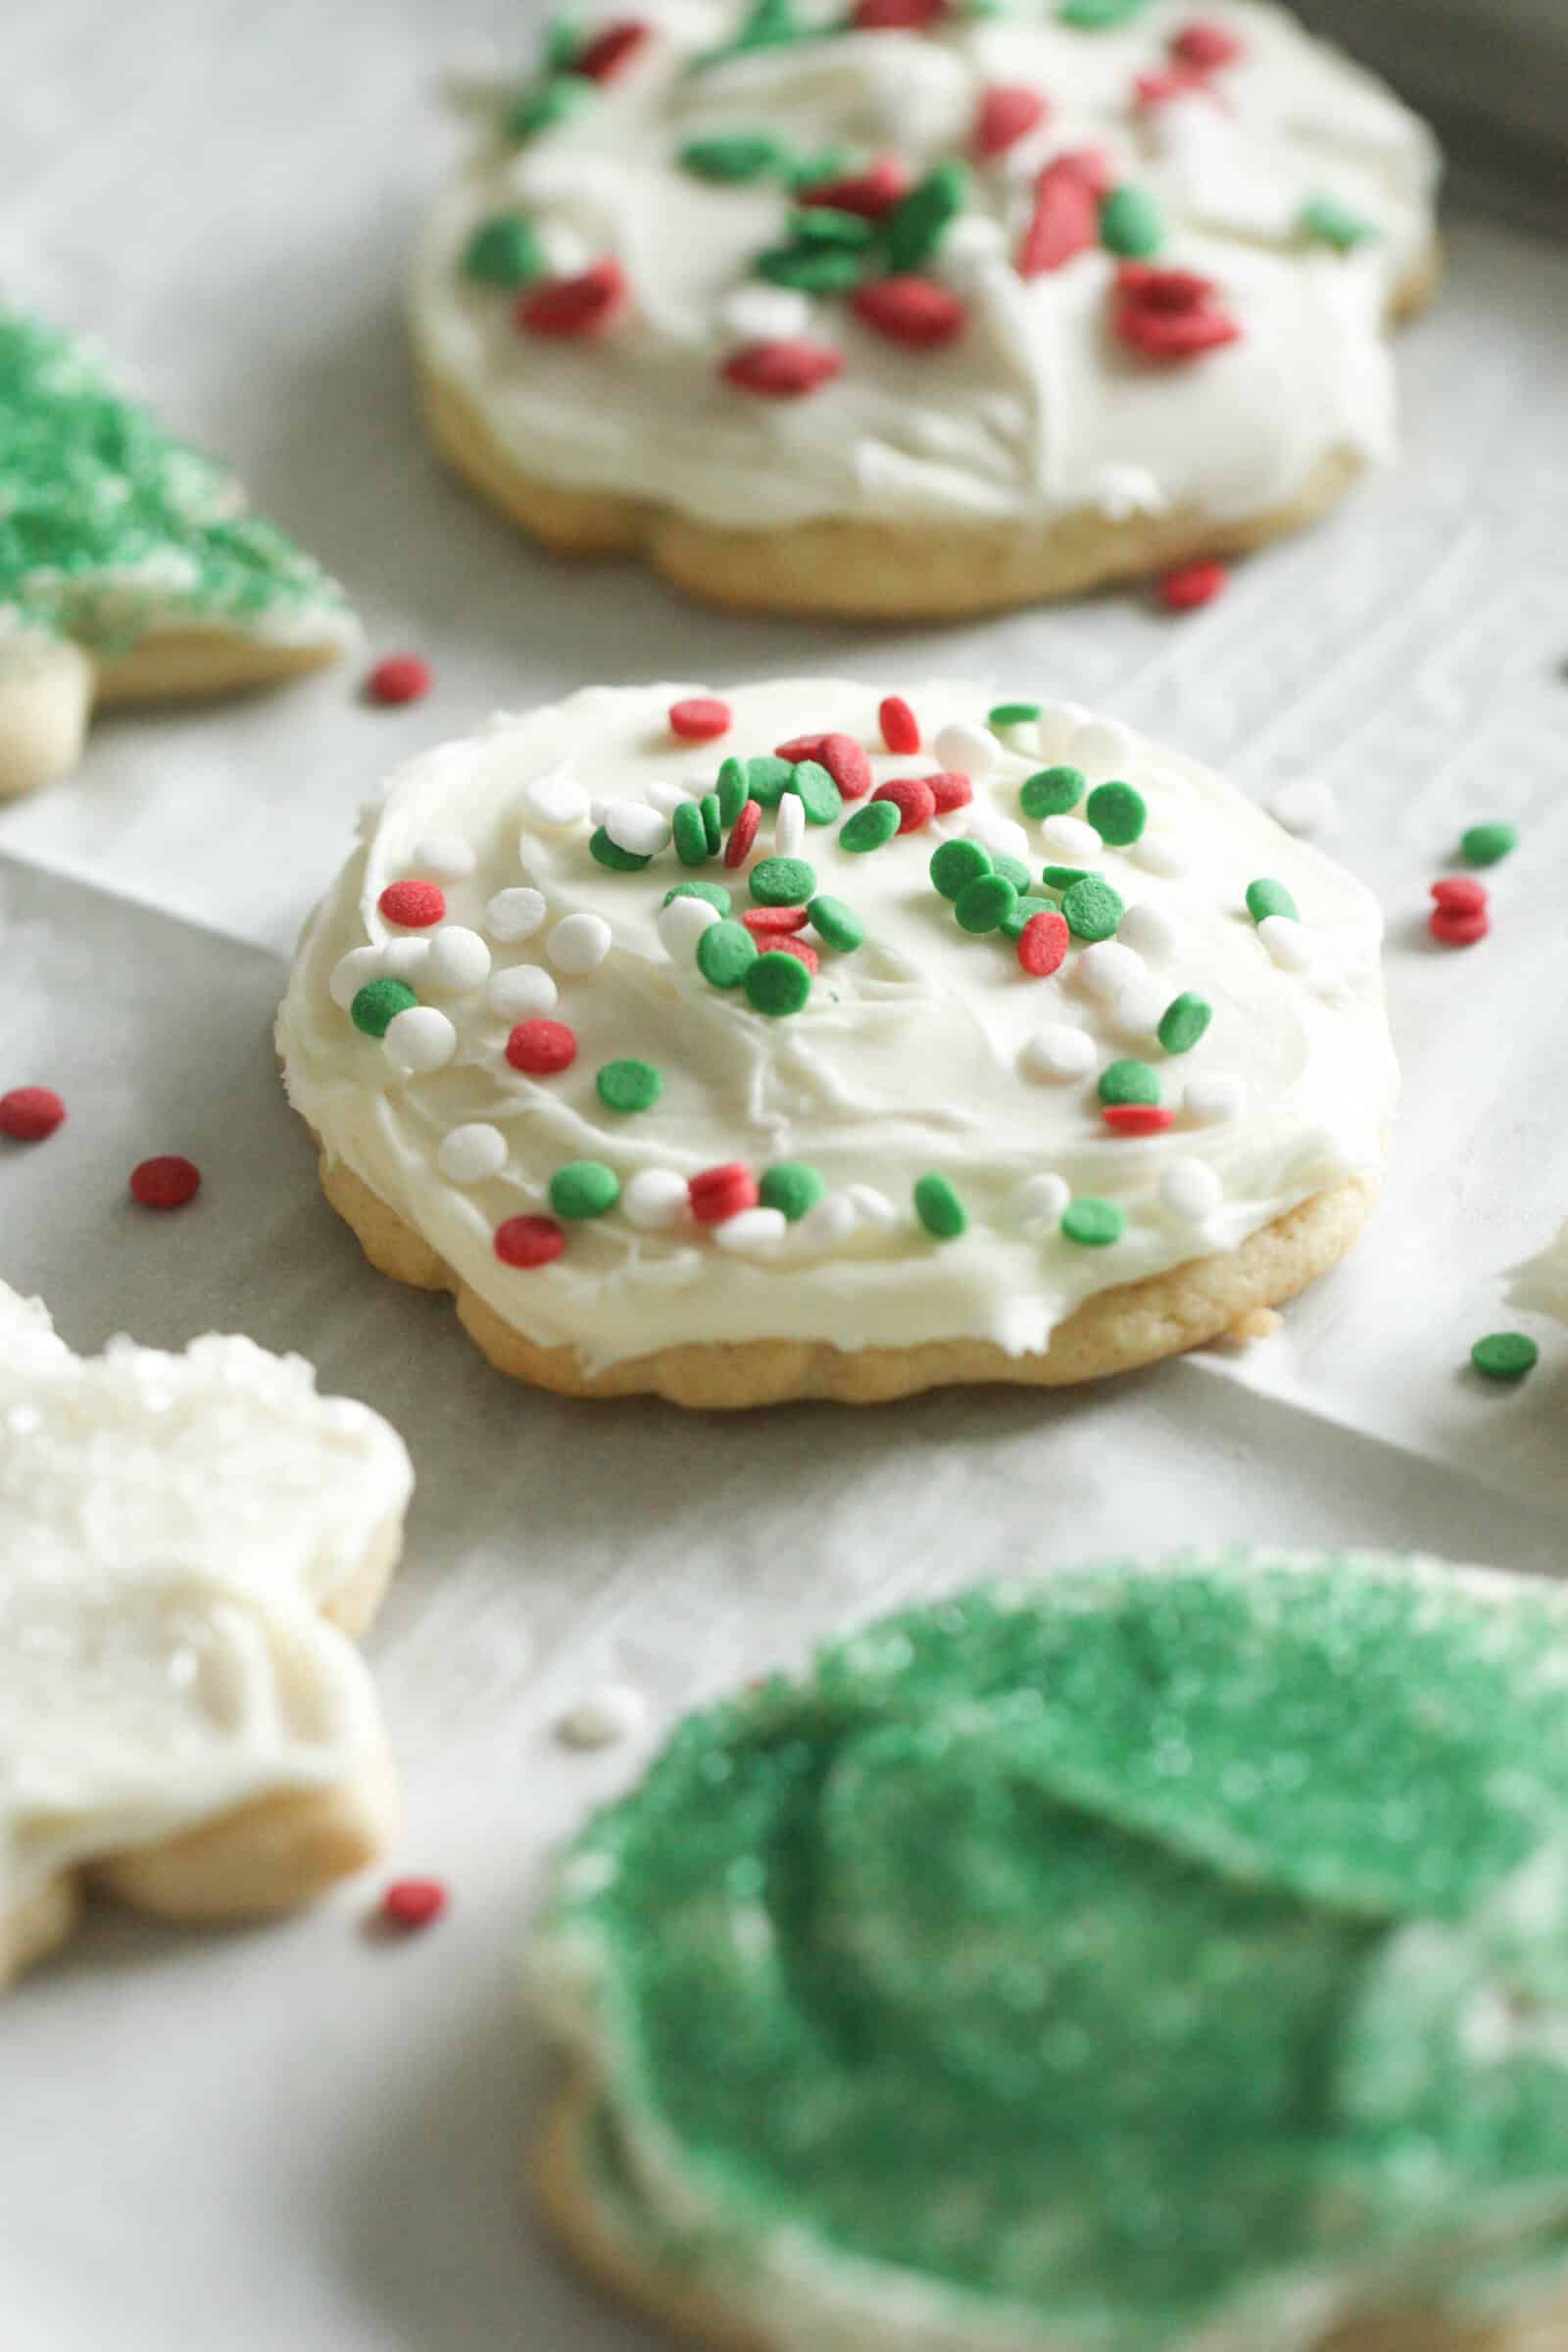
(1191, 1189)
(969, 240)
(1149, 929)
(422, 1039)
(555, 800)
(666, 796)
(515, 913)
(1106, 967)
(1123, 491)
(443, 855)
(872, 1207)
(458, 961)
(1157, 854)
(1213, 1099)
(1071, 839)
(1103, 746)
(566, 252)
(468, 1154)
(1037, 1201)
(604, 1716)
(402, 958)
(1058, 724)
(579, 943)
(994, 831)
(1304, 805)
(521, 991)
(1288, 942)
(635, 827)
(789, 825)
(761, 1230)
(354, 972)
(828, 1223)
(1137, 1008)
(681, 924)
(967, 751)
(1058, 1052)
(765, 314)
(655, 1199)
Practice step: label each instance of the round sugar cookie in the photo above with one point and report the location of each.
(1158, 1958)
(822, 1089)
(922, 307)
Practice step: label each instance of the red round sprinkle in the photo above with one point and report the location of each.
(1165, 334)
(413, 904)
(28, 1113)
(528, 1241)
(798, 746)
(785, 370)
(720, 1193)
(1155, 288)
(1043, 943)
(901, 729)
(771, 922)
(1452, 927)
(897, 16)
(1007, 112)
(871, 193)
(542, 1048)
(399, 678)
(1205, 44)
(1186, 586)
(584, 305)
(1176, 81)
(1457, 894)
(700, 719)
(413, 1903)
(743, 833)
(913, 799)
(951, 789)
(1064, 223)
(165, 1183)
(784, 944)
(917, 312)
(840, 755)
(1137, 1118)
(609, 51)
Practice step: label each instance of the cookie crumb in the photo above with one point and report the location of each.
(604, 1716)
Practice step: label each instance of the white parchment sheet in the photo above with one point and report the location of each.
(303, 2135)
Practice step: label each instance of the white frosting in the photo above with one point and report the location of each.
(171, 1528)
(926, 1049)
(1035, 410)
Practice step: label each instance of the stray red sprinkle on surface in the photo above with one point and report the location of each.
(1043, 944)
(784, 944)
(1137, 1118)
(415, 906)
(901, 729)
(1007, 112)
(167, 1182)
(1064, 223)
(584, 305)
(721, 1193)
(700, 719)
(913, 799)
(542, 1048)
(1187, 586)
(413, 1903)
(917, 312)
(29, 1113)
(771, 922)
(1206, 45)
(786, 370)
(1460, 894)
(528, 1241)
(610, 51)
(871, 193)
(399, 678)
(1456, 927)
(743, 833)
(951, 789)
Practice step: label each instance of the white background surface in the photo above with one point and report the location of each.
(300, 2135)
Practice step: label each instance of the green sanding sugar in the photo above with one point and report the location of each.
(376, 1005)
(583, 1188)
(691, 834)
(725, 952)
(1506, 1354)
(713, 892)
(1485, 845)
(1184, 1021)
(956, 864)
(776, 983)
(871, 827)
(730, 785)
(503, 251)
(1265, 898)
(1129, 1082)
(1051, 791)
(1093, 909)
(768, 779)
(610, 853)
(838, 925)
(630, 1084)
(782, 882)
(791, 1185)
(1118, 813)
(819, 796)
(1092, 1223)
(939, 1208)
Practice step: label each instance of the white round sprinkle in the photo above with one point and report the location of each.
(971, 239)
(1288, 942)
(1306, 804)
(666, 796)
(1149, 929)
(635, 827)
(1191, 1189)
(420, 1038)
(1071, 839)
(602, 1717)
(1215, 1098)
(468, 1154)
(681, 924)
(827, 1224)
(403, 958)
(1104, 746)
(1138, 1005)
(354, 972)
(443, 855)
(555, 800)
(872, 1207)
(579, 943)
(1106, 967)
(761, 1230)
(655, 1199)
(765, 314)
(789, 826)
(565, 251)
(1058, 1052)
(1157, 854)
(1059, 723)
(994, 831)
(515, 913)
(458, 961)
(523, 991)
(1039, 1200)
(968, 751)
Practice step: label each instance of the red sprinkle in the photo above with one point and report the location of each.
(785, 370)
(951, 789)
(542, 1048)
(528, 1241)
(413, 1903)
(610, 51)
(700, 719)
(917, 312)
(743, 833)
(413, 904)
(399, 678)
(165, 1183)
(800, 747)
(1043, 944)
(1137, 1118)
(1175, 81)
(723, 1192)
(584, 305)
(1205, 45)
(784, 944)
(897, 16)
(1007, 112)
(1162, 332)
(840, 755)
(1186, 586)
(771, 922)
(871, 193)
(1452, 927)
(913, 799)
(1158, 289)
(1455, 894)
(1065, 220)
(29, 1113)
(901, 729)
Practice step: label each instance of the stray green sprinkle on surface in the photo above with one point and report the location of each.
(1506, 1354)
(939, 1208)
(630, 1084)
(1092, 1223)
(1051, 791)
(1485, 843)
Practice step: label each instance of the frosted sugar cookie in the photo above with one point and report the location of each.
(924, 307)
(1150, 1960)
(811, 1041)
(186, 1542)
(128, 567)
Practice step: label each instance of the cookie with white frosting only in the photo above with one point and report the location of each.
(186, 1545)
(811, 1040)
(922, 308)
(129, 569)
(1155, 1958)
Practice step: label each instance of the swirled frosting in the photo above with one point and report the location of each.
(1281, 174)
(926, 1051)
(1138, 1959)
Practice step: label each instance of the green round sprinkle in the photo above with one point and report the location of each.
(725, 952)
(630, 1086)
(713, 830)
(1051, 791)
(583, 1188)
(783, 882)
(809, 170)
(1117, 812)
(956, 864)
(791, 1185)
(1062, 877)
(1484, 845)
(561, 44)
(1506, 1354)
(1093, 909)
(1328, 222)
(985, 904)
(837, 923)
(939, 1208)
(1098, 16)
(1131, 224)
(691, 835)
(1184, 1021)
(869, 828)
(810, 268)
(1129, 1082)
(713, 892)
(1013, 714)
(377, 1003)
(1265, 898)
(778, 983)
(539, 109)
(742, 156)
(917, 226)
(1012, 869)
(1092, 1223)
(767, 780)
(610, 853)
(503, 251)
(1024, 910)
(824, 224)
(731, 786)
(820, 795)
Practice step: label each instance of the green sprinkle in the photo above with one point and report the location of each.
(540, 109)
(583, 1188)
(1129, 1082)
(630, 1086)
(1092, 1223)
(820, 795)
(1098, 16)
(939, 1208)
(767, 780)
(713, 830)
(561, 44)
(1117, 812)
(1024, 911)
(783, 882)
(778, 983)
(837, 923)
(503, 251)
(869, 828)
(1328, 222)
(1184, 1021)
(610, 853)
(1265, 898)
(725, 953)
(791, 1185)
(1013, 714)
(691, 835)
(713, 892)
(1093, 909)
(823, 224)
(956, 864)
(810, 170)
(1062, 877)
(916, 226)
(377, 1003)
(742, 156)
(810, 269)
(1051, 791)
(1131, 224)
(1484, 845)
(1012, 869)
(731, 789)
(1506, 1354)
(985, 904)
